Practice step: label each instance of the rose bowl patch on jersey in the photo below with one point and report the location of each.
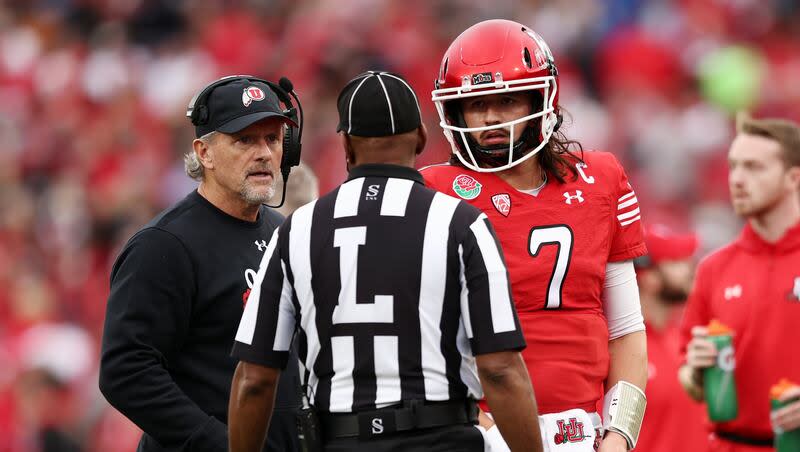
(466, 186)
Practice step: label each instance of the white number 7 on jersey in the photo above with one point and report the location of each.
(561, 236)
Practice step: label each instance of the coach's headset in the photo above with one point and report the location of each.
(292, 138)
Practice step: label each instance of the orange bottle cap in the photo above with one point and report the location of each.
(716, 328)
(778, 389)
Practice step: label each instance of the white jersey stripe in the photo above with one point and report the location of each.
(387, 371)
(627, 203)
(395, 197)
(431, 297)
(286, 316)
(468, 369)
(347, 198)
(625, 223)
(300, 262)
(464, 294)
(626, 196)
(247, 326)
(342, 388)
(500, 300)
(626, 215)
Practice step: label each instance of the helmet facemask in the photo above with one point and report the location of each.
(540, 124)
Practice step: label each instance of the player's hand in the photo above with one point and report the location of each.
(788, 418)
(613, 442)
(700, 352)
(492, 439)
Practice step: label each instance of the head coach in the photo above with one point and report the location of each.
(179, 284)
(399, 296)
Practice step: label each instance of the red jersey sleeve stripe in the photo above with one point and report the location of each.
(627, 203)
(626, 196)
(627, 222)
(626, 215)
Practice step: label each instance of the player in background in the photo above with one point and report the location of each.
(672, 421)
(753, 286)
(569, 225)
(302, 189)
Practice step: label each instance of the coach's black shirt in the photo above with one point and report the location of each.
(393, 289)
(177, 296)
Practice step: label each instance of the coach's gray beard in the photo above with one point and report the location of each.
(253, 196)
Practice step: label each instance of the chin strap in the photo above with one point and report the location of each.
(494, 153)
(623, 411)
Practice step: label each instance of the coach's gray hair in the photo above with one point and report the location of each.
(191, 163)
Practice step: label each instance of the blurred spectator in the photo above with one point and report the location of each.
(302, 189)
(672, 420)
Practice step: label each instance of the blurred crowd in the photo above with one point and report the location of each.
(92, 130)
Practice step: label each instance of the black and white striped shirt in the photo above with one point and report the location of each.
(393, 289)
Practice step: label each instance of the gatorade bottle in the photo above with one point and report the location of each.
(784, 441)
(718, 382)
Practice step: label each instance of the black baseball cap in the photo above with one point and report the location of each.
(235, 105)
(378, 104)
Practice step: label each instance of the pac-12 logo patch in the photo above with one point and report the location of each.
(250, 94)
(502, 202)
(466, 186)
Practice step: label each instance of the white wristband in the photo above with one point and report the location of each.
(623, 411)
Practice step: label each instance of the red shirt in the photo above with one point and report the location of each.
(753, 287)
(672, 421)
(556, 247)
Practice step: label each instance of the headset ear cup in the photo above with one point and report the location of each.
(291, 148)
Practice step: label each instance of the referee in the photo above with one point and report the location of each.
(400, 299)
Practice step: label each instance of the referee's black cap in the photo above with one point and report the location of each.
(378, 104)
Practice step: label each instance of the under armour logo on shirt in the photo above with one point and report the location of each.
(261, 244)
(733, 292)
(577, 196)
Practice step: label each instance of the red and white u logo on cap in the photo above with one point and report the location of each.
(250, 94)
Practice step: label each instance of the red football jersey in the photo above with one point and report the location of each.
(556, 246)
(754, 288)
(672, 420)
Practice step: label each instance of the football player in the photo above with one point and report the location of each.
(569, 225)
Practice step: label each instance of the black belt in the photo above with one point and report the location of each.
(411, 415)
(749, 440)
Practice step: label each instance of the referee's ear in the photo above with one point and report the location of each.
(422, 134)
(349, 153)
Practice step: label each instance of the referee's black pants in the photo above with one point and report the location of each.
(452, 438)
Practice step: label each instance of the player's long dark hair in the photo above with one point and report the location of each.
(557, 158)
